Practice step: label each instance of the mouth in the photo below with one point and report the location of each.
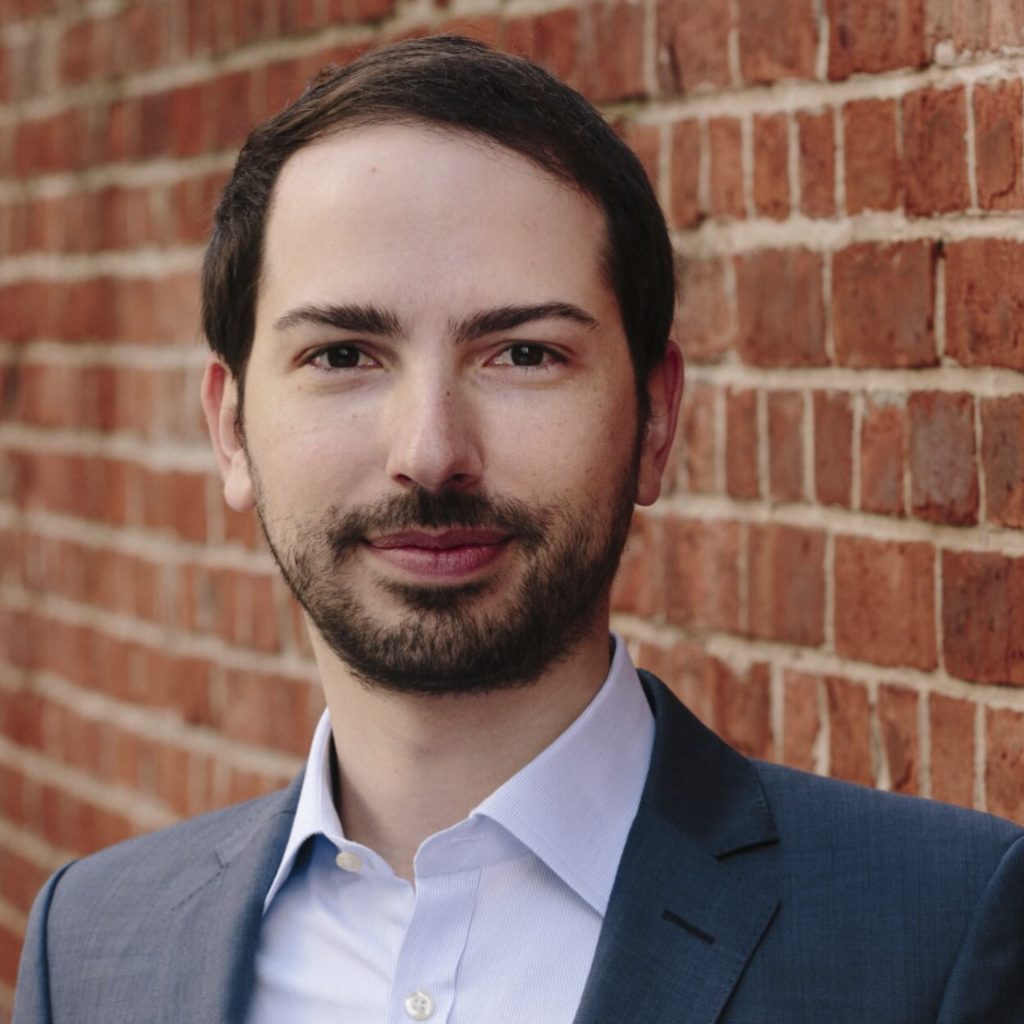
(442, 555)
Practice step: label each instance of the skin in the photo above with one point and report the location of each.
(435, 228)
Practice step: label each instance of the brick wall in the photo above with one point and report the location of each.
(835, 576)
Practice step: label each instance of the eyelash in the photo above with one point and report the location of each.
(549, 356)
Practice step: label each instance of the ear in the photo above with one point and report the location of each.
(664, 390)
(220, 404)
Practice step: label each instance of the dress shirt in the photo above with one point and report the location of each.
(501, 922)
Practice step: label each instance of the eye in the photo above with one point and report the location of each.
(340, 357)
(527, 355)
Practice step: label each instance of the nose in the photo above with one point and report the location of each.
(434, 437)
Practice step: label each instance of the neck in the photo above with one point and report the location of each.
(412, 765)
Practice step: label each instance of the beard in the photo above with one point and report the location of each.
(440, 644)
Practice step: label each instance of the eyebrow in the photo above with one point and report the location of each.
(368, 319)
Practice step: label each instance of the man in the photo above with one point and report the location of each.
(439, 294)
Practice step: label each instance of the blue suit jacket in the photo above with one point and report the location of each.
(747, 894)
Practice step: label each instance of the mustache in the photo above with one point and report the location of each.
(443, 510)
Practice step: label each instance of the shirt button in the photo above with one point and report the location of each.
(348, 861)
(419, 1005)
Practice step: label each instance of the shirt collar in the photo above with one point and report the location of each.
(572, 805)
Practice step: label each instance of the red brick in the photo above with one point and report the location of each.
(985, 302)
(952, 749)
(551, 40)
(849, 720)
(693, 44)
(684, 205)
(781, 314)
(982, 628)
(705, 323)
(897, 718)
(771, 166)
(935, 151)
(871, 329)
(987, 26)
(725, 140)
(882, 452)
(702, 574)
(1004, 763)
(639, 583)
(785, 445)
(777, 40)
(872, 155)
(833, 447)
(1002, 455)
(876, 36)
(741, 444)
(697, 441)
(943, 464)
(801, 720)
(816, 133)
(742, 708)
(997, 145)
(266, 711)
(786, 586)
(612, 57)
(885, 602)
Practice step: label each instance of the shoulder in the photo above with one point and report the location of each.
(173, 860)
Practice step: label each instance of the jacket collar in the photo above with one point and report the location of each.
(697, 884)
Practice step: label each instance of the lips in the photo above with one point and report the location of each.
(450, 554)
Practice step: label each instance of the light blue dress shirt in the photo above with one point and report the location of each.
(503, 919)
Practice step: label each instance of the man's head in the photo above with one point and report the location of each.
(442, 435)
(458, 84)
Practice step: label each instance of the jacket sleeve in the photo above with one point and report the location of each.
(986, 984)
(32, 995)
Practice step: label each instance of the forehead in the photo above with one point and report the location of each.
(428, 208)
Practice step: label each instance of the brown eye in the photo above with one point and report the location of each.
(341, 357)
(526, 355)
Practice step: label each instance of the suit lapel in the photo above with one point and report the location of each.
(696, 886)
(207, 969)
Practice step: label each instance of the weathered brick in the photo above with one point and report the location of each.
(777, 40)
(885, 602)
(870, 328)
(801, 720)
(849, 719)
(771, 166)
(639, 583)
(550, 39)
(882, 453)
(952, 749)
(985, 302)
(897, 719)
(982, 629)
(1004, 763)
(725, 141)
(786, 585)
(702, 574)
(742, 708)
(693, 44)
(697, 439)
(833, 447)
(612, 51)
(943, 464)
(781, 310)
(684, 205)
(1002, 456)
(817, 155)
(876, 36)
(785, 445)
(741, 444)
(986, 26)
(706, 322)
(935, 151)
(997, 144)
(871, 146)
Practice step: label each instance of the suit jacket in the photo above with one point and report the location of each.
(747, 894)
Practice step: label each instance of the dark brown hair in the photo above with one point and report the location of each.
(462, 84)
